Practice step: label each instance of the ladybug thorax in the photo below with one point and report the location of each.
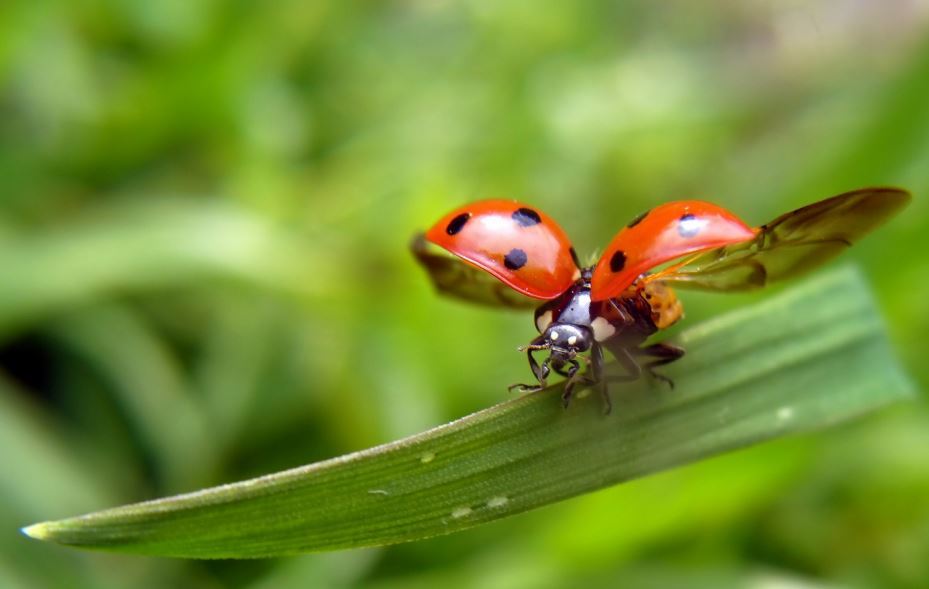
(565, 321)
(573, 319)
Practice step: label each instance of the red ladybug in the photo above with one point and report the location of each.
(517, 256)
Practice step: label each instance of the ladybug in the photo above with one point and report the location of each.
(516, 256)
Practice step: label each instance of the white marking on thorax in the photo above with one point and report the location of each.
(572, 340)
(543, 321)
(603, 329)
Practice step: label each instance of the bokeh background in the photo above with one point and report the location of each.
(204, 216)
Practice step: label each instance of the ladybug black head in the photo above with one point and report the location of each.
(567, 339)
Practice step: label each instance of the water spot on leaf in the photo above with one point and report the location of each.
(495, 502)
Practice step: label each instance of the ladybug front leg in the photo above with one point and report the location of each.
(593, 376)
(541, 371)
(596, 367)
(573, 381)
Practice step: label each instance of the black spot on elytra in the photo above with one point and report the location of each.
(574, 257)
(455, 225)
(516, 259)
(618, 261)
(638, 219)
(526, 217)
(686, 227)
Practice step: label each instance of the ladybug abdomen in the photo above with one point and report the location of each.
(666, 308)
(627, 317)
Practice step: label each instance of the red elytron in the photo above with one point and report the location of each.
(517, 256)
(523, 247)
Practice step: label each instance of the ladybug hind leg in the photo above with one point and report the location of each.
(630, 365)
(661, 354)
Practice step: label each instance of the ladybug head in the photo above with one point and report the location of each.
(567, 340)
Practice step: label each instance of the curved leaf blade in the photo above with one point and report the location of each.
(801, 360)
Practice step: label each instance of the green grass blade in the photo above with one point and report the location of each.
(155, 243)
(799, 360)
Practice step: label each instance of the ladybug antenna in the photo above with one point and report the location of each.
(533, 347)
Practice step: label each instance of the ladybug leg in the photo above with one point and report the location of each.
(593, 376)
(560, 369)
(596, 376)
(540, 371)
(625, 359)
(662, 353)
(624, 356)
(571, 382)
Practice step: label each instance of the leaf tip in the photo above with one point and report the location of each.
(40, 531)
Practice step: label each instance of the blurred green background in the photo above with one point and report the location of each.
(204, 216)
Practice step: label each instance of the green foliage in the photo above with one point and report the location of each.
(802, 360)
(204, 213)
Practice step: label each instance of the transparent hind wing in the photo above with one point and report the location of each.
(453, 277)
(792, 244)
